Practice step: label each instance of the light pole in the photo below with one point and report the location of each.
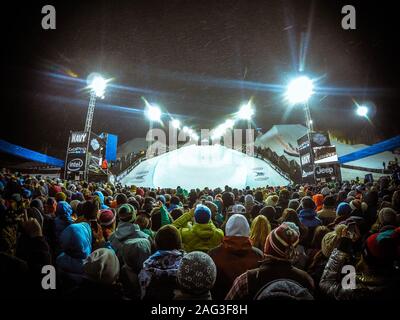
(97, 86)
(153, 113)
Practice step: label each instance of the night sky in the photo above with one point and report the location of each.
(199, 60)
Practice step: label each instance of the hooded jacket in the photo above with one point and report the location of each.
(63, 217)
(76, 246)
(201, 237)
(245, 257)
(309, 218)
(134, 253)
(101, 197)
(124, 232)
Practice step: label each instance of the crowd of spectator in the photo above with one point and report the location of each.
(110, 241)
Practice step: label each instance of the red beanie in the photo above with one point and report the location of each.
(281, 242)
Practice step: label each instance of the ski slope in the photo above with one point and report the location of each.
(281, 138)
(211, 166)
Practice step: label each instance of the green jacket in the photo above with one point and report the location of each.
(201, 237)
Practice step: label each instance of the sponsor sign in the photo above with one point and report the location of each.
(78, 137)
(305, 159)
(327, 172)
(320, 139)
(75, 164)
(325, 154)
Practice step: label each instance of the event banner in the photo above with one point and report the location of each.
(306, 159)
(75, 163)
(326, 154)
(327, 172)
(320, 139)
(96, 152)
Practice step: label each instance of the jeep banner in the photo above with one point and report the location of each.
(75, 163)
(327, 172)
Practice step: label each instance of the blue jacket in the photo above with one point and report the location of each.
(101, 197)
(63, 217)
(309, 218)
(76, 246)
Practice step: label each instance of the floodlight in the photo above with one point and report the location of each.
(300, 90)
(362, 111)
(246, 112)
(98, 85)
(153, 113)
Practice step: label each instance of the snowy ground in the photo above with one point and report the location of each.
(284, 137)
(204, 166)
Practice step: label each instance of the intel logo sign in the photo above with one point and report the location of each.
(75, 164)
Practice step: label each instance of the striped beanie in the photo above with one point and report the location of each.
(282, 241)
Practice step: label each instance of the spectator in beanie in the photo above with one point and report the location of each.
(101, 270)
(157, 279)
(319, 201)
(249, 203)
(270, 213)
(343, 211)
(134, 253)
(327, 214)
(283, 290)
(376, 277)
(50, 207)
(290, 215)
(387, 219)
(203, 235)
(236, 246)
(260, 229)
(90, 214)
(176, 213)
(107, 221)
(294, 204)
(279, 251)
(121, 199)
(196, 276)
(143, 222)
(328, 243)
(126, 228)
(308, 216)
